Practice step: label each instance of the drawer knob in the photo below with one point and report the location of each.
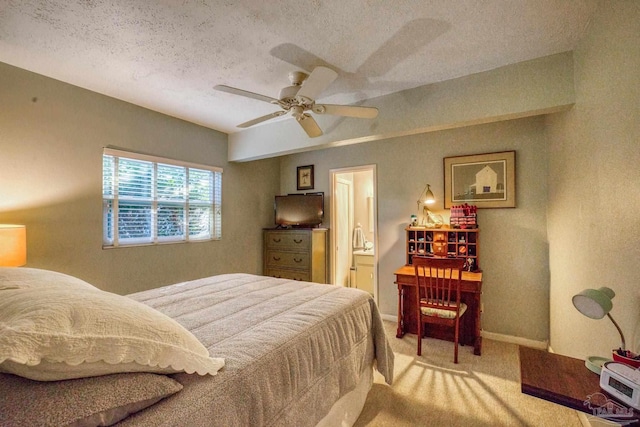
(276, 240)
(276, 258)
(297, 240)
(297, 259)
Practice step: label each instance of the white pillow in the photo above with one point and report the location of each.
(33, 278)
(54, 327)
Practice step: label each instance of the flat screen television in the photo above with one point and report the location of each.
(299, 210)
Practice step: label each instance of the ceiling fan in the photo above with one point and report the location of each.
(300, 97)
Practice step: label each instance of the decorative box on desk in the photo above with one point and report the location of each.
(296, 253)
(460, 243)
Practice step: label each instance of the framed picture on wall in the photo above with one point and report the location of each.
(484, 180)
(305, 177)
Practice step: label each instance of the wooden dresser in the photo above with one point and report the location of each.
(298, 254)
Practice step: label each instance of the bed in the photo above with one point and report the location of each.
(288, 353)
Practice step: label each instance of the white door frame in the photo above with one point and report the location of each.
(332, 179)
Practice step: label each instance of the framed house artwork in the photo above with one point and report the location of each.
(305, 177)
(484, 180)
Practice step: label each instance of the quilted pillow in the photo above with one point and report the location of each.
(95, 401)
(54, 327)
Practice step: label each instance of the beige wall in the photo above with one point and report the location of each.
(594, 197)
(578, 181)
(514, 252)
(51, 140)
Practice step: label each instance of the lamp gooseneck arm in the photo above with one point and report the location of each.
(420, 196)
(420, 203)
(619, 330)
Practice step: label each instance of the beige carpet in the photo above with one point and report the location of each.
(430, 390)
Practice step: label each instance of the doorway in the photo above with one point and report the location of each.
(354, 257)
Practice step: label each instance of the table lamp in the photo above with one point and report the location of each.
(427, 198)
(13, 245)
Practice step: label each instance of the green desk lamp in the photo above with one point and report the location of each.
(595, 303)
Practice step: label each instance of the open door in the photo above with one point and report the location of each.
(353, 205)
(343, 196)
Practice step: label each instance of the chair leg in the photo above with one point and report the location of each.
(419, 336)
(456, 339)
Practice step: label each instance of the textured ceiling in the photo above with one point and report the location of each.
(167, 55)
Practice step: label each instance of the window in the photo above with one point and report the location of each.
(148, 200)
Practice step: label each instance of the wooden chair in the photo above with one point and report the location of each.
(438, 295)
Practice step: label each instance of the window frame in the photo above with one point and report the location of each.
(111, 202)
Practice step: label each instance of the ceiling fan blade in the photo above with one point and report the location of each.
(309, 125)
(236, 91)
(346, 110)
(318, 80)
(261, 119)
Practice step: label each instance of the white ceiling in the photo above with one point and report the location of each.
(167, 55)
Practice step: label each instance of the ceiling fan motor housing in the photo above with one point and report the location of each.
(297, 77)
(288, 94)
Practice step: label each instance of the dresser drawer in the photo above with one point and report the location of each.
(289, 274)
(288, 240)
(287, 259)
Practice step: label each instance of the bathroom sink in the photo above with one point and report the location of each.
(364, 252)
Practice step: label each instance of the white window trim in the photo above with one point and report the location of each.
(155, 160)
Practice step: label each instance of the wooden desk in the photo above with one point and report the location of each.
(471, 289)
(561, 379)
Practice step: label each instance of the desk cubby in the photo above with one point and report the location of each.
(460, 243)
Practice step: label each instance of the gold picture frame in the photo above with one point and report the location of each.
(305, 177)
(484, 180)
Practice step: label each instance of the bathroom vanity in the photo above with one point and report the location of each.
(364, 265)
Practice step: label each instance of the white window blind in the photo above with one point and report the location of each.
(148, 200)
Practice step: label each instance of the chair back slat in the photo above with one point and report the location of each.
(439, 281)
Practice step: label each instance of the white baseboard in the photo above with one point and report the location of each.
(541, 345)
(389, 317)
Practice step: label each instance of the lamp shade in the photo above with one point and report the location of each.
(594, 303)
(13, 245)
(429, 198)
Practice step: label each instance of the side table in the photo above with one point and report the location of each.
(562, 380)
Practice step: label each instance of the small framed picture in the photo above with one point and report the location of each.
(305, 177)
